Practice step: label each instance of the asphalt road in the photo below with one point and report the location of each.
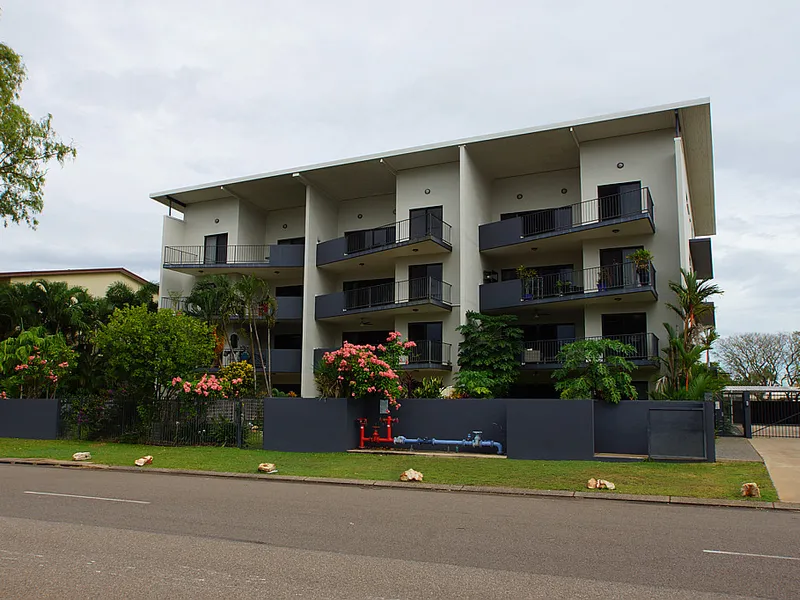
(191, 537)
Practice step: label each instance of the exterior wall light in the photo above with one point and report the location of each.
(427, 190)
(620, 165)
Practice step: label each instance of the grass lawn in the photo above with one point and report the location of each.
(700, 480)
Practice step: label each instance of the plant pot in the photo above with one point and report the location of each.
(644, 277)
(601, 287)
(527, 296)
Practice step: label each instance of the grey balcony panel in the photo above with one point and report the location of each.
(287, 255)
(555, 221)
(290, 308)
(285, 360)
(386, 237)
(385, 296)
(700, 249)
(329, 305)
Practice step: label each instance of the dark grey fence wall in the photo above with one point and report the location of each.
(528, 429)
(550, 429)
(447, 419)
(311, 424)
(28, 418)
(624, 428)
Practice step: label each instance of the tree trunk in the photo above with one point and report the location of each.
(261, 356)
(251, 321)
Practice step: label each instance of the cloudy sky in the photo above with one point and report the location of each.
(160, 94)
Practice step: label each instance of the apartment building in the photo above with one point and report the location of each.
(413, 239)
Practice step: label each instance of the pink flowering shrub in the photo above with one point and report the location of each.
(364, 371)
(33, 364)
(208, 387)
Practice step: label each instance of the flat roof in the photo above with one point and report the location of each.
(694, 116)
(63, 272)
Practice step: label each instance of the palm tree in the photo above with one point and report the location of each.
(693, 296)
(120, 294)
(256, 300)
(212, 299)
(60, 307)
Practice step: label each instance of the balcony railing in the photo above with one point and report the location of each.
(610, 278)
(615, 279)
(289, 308)
(564, 219)
(429, 352)
(273, 255)
(545, 352)
(411, 290)
(409, 231)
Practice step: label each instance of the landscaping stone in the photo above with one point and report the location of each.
(82, 456)
(411, 475)
(145, 460)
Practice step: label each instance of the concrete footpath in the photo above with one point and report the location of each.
(469, 489)
(782, 458)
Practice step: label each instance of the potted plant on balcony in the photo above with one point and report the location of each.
(641, 259)
(602, 280)
(526, 275)
(563, 286)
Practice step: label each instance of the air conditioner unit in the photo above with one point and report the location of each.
(533, 356)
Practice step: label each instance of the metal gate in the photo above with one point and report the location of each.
(762, 411)
(775, 418)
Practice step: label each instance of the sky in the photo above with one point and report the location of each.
(163, 94)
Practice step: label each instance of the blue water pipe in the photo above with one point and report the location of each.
(473, 440)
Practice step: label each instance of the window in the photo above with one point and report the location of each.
(619, 199)
(628, 328)
(617, 271)
(424, 222)
(297, 241)
(365, 239)
(428, 337)
(289, 290)
(216, 249)
(425, 281)
(288, 341)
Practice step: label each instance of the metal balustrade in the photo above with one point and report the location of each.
(408, 230)
(430, 352)
(545, 352)
(410, 290)
(247, 254)
(611, 278)
(607, 210)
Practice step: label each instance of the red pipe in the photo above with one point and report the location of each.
(375, 438)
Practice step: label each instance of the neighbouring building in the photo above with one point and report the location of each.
(413, 239)
(95, 281)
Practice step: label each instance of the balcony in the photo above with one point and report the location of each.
(284, 360)
(428, 355)
(290, 308)
(249, 258)
(629, 214)
(541, 354)
(623, 281)
(417, 236)
(424, 295)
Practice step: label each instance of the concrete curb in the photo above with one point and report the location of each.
(370, 483)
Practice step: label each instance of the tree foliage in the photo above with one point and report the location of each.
(595, 369)
(685, 376)
(26, 146)
(119, 295)
(761, 358)
(492, 346)
(146, 350)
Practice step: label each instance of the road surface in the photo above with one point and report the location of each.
(157, 536)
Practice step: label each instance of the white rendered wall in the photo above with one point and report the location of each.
(199, 221)
(375, 211)
(443, 181)
(475, 209)
(685, 223)
(649, 158)
(540, 190)
(172, 234)
(252, 224)
(320, 225)
(293, 218)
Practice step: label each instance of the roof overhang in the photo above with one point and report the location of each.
(374, 174)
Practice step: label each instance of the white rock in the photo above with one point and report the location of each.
(411, 475)
(267, 468)
(82, 456)
(145, 460)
